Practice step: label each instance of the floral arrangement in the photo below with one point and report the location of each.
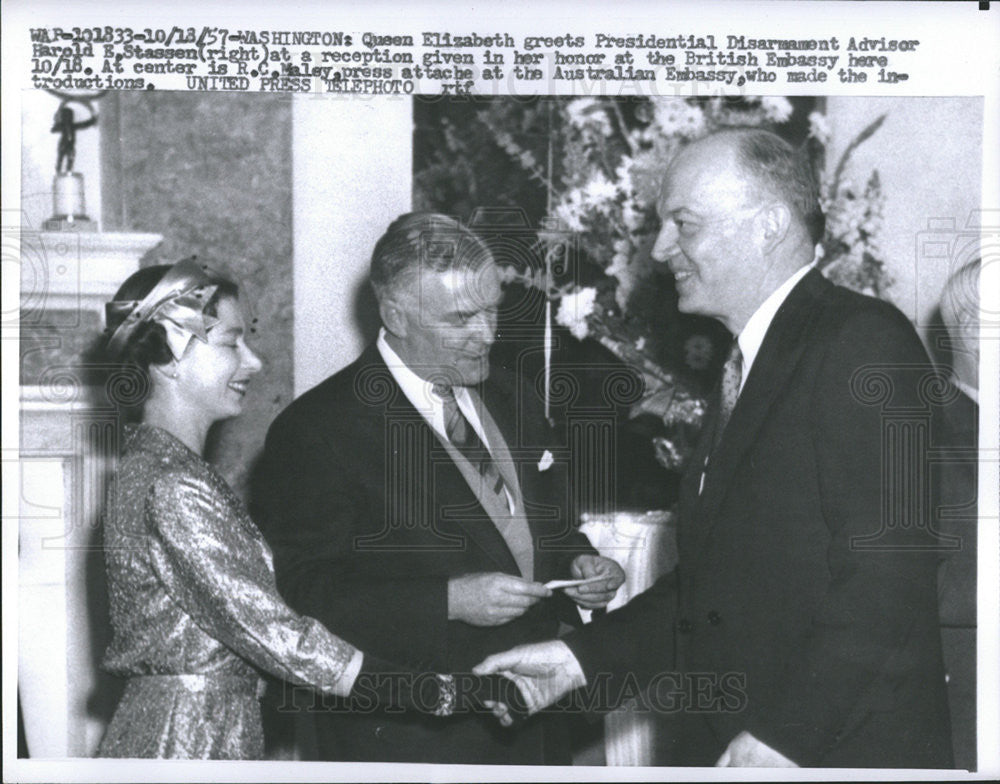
(611, 164)
(850, 254)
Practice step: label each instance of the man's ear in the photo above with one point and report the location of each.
(393, 317)
(775, 220)
(166, 372)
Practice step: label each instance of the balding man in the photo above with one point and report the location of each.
(960, 314)
(800, 627)
(959, 491)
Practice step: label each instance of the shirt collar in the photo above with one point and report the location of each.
(971, 392)
(752, 336)
(420, 392)
(417, 390)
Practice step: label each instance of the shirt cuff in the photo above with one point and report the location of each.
(573, 669)
(351, 671)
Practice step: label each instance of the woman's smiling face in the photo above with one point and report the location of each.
(213, 375)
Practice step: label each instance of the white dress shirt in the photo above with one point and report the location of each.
(752, 336)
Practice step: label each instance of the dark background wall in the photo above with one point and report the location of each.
(212, 173)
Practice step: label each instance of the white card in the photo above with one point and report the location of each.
(554, 584)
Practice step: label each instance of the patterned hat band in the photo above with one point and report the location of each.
(177, 303)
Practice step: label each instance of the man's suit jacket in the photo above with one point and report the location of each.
(369, 517)
(795, 613)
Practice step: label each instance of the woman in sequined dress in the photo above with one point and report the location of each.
(195, 610)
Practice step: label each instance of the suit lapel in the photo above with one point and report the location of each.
(784, 343)
(515, 528)
(523, 439)
(543, 495)
(504, 406)
(689, 503)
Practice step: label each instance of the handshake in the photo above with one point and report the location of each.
(543, 673)
(512, 685)
(546, 672)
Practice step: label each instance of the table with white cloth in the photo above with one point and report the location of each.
(645, 545)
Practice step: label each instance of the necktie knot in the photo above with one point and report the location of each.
(444, 391)
(456, 427)
(734, 360)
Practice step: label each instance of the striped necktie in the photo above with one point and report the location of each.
(463, 436)
(732, 377)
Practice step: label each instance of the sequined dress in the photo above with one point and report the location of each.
(195, 611)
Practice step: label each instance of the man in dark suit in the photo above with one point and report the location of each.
(413, 507)
(959, 491)
(800, 627)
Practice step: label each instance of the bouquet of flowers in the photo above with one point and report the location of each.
(850, 254)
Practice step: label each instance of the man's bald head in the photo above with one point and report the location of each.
(960, 314)
(780, 170)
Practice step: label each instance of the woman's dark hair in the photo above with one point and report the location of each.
(147, 345)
